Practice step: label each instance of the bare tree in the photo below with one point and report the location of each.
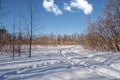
(19, 36)
(104, 34)
(13, 37)
(112, 19)
(32, 21)
(2, 13)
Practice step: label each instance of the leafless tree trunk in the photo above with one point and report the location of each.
(13, 38)
(20, 36)
(32, 21)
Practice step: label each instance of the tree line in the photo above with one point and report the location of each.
(42, 39)
(104, 34)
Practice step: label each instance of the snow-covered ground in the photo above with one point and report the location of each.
(61, 63)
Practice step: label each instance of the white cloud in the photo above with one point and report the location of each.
(67, 7)
(80, 4)
(51, 7)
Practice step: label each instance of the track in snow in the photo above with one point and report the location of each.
(61, 63)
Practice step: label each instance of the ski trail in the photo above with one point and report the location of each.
(107, 72)
(62, 63)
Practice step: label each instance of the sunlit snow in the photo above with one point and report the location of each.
(61, 63)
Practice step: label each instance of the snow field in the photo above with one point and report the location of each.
(61, 63)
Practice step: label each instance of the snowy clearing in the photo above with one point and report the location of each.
(61, 63)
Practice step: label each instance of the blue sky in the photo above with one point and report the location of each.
(58, 16)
